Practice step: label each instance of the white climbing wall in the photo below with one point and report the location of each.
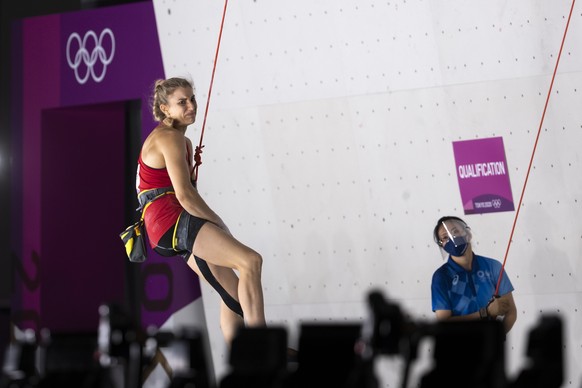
(329, 148)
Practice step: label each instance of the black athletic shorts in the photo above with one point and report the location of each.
(185, 232)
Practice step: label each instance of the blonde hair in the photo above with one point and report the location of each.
(163, 88)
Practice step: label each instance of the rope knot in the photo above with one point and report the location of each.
(198, 156)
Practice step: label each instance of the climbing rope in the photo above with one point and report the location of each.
(534, 150)
(198, 150)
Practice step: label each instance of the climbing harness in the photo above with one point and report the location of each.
(181, 233)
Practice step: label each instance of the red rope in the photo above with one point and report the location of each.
(198, 152)
(534, 150)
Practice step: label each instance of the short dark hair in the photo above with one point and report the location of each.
(435, 233)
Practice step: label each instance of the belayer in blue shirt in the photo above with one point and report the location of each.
(463, 288)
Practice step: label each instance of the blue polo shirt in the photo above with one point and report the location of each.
(465, 292)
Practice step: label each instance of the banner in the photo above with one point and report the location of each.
(483, 175)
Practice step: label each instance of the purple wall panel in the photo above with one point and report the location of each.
(82, 213)
(89, 57)
(16, 148)
(123, 43)
(40, 39)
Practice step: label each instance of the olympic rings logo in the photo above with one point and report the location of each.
(89, 59)
(496, 203)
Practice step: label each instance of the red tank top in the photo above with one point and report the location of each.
(163, 213)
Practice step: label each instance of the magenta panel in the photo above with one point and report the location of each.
(40, 42)
(483, 175)
(82, 212)
(106, 55)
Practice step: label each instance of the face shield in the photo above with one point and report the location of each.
(453, 238)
